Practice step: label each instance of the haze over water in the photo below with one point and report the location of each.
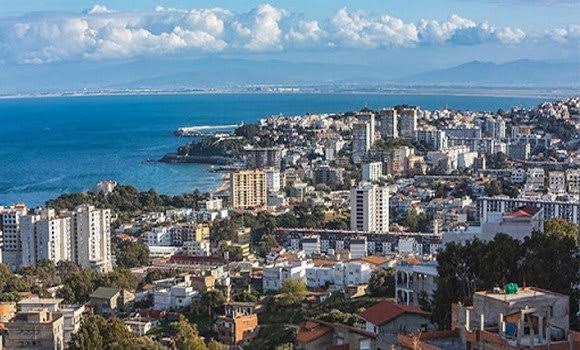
(52, 146)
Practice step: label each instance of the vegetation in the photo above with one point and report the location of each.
(382, 283)
(212, 146)
(129, 253)
(477, 265)
(292, 292)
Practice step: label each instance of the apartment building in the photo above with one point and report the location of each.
(263, 157)
(35, 330)
(389, 126)
(372, 171)
(369, 205)
(557, 182)
(10, 240)
(238, 325)
(551, 209)
(408, 122)
(415, 281)
(248, 189)
(362, 141)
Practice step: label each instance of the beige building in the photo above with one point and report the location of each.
(248, 189)
(369, 208)
(35, 330)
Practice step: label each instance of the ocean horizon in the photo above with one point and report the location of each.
(51, 146)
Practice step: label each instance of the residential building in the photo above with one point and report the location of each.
(174, 297)
(369, 205)
(515, 318)
(368, 117)
(248, 189)
(211, 204)
(372, 171)
(316, 334)
(327, 175)
(263, 157)
(10, 228)
(572, 181)
(238, 325)
(551, 209)
(362, 141)
(519, 150)
(536, 179)
(35, 330)
(273, 180)
(408, 122)
(91, 237)
(388, 120)
(414, 282)
(464, 133)
(557, 182)
(73, 315)
(434, 138)
(275, 275)
(519, 176)
(387, 319)
(108, 301)
(45, 236)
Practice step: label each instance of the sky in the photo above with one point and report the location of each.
(411, 35)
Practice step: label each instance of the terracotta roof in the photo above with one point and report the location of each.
(338, 347)
(310, 331)
(524, 212)
(386, 311)
(372, 259)
(323, 262)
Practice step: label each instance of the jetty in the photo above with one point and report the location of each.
(196, 130)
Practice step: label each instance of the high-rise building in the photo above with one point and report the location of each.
(362, 141)
(389, 125)
(263, 157)
(45, 236)
(248, 189)
(91, 234)
(368, 117)
(408, 122)
(369, 208)
(434, 138)
(372, 171)
(273, 179)
(10, 227)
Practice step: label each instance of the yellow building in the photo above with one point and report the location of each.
(248, 189)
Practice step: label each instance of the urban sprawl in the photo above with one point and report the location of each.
(398, 228)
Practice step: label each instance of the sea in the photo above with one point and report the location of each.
(56, 145)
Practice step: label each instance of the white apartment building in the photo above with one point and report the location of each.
(372, 171)
(408, 123)
(10, 228)
(557, 182)
(389, 127)
(275, 275)
(412, 281)
(158, 236)
(368, 118)
(535, 180)
(273, 180)
(435, 138)
(342, 274)
(44, 236)
(212, 204)
(369, 205)
(91, 230)
(175, 297)
(362, 141)
(551, 209)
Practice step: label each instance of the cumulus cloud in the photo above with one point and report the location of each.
(101, 33)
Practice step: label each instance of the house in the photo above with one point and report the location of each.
(107, 300)
(238, 325)
(320, 335)
(35, 330)
(415, 281)
(386, 319)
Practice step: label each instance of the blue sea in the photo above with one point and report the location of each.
(50, 146)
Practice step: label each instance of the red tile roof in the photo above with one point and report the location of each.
(524, 212)
(310, 331)
(386, 311)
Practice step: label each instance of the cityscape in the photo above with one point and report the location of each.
(336, 215)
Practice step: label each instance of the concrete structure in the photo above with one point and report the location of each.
(551, 209)
(369, 205)
(572, 181)
(408, 122)
(368, 117)
(341, 274)
(536, 179)
(529, 318)
(327, 175)
(372, 171)
(387, 319)
(108, 301)
(248, 189)
(35, 330)
(362, 141)
(519, 176)
(316, 334)
(415, 281)
(389, 126)
(519, 150)
(275, 275)
(557, 182)
(434, 138)
(463, 133)
(174, 297)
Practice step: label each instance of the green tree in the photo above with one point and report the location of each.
(185, 335)
(266, 244)
(130, 254)
(211, 300)
(215, 345)
(561, 227)
(293, 291)
(382, 283)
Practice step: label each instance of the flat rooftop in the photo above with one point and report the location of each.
(522, 294)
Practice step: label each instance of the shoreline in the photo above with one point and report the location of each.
(467, 91)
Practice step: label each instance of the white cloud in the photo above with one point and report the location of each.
(98, 9)
(101, 34)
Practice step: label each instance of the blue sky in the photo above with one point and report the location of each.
(402, 36)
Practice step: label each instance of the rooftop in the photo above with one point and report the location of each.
(522, 294)
(386, 311)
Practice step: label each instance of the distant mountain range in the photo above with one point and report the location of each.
(521, 72)
(218, 72)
